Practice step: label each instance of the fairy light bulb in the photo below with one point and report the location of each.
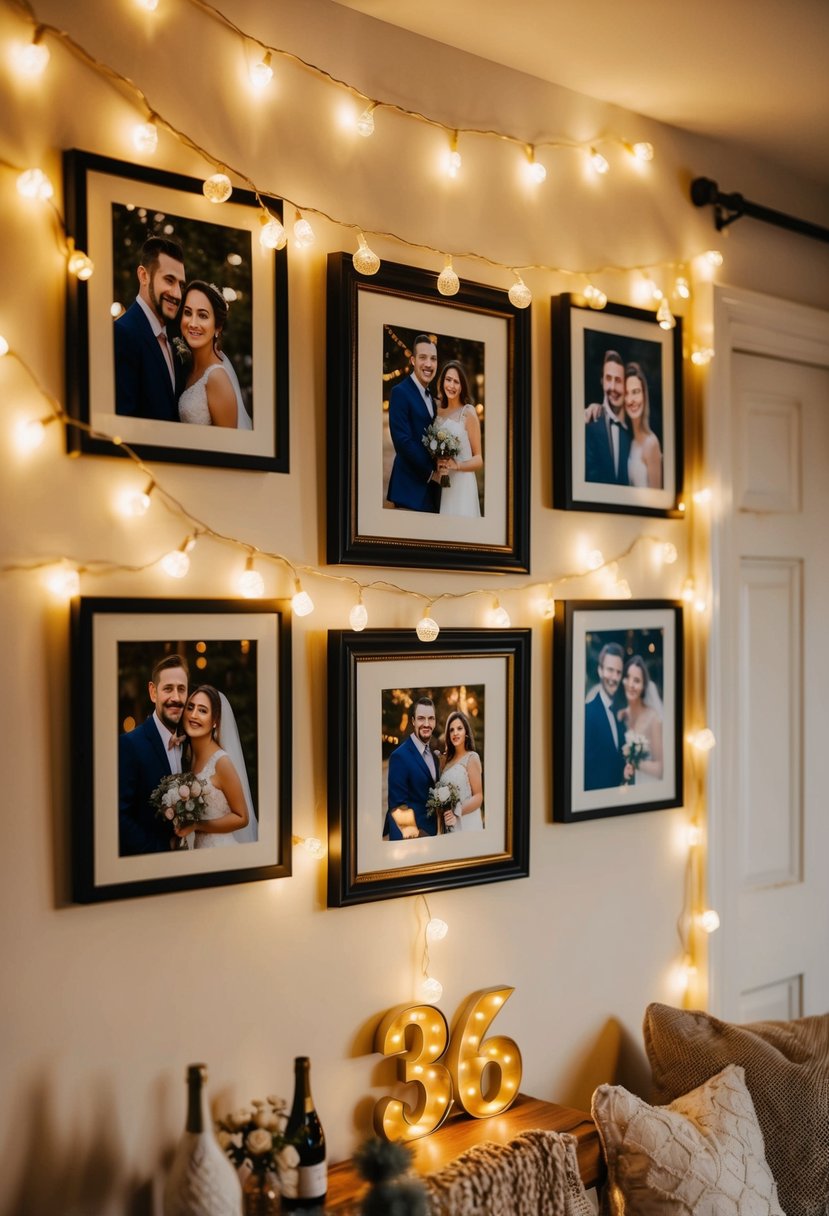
(595, 559)
(436, 929)
(430, 990)
(303, 233)
(536, 172)
(701, 356)
(65, 582)
(31, 59)
(79, 263)
(548, 608)
(217, 188)
(693, 835)
(4, 346)
(519, 294)
(135, 503)
(427, 629)
(682, 288)
(358, 616)
(664, 316)
(448, 282)
(301, 601)
(643, 151)
(176, 563)
(33, 183)
(595, 298)
(453, 159)
(703, 497)
(272, 234)
(713, 257)
(30, 433)
(499, 616)
(365, 260)
(149, 5)
(600, 163)
(703, 740)
(314, 846)
(251, 584)
(145, 137)
(365, 123)
(668, 553)
(709, 920)
(261, 73)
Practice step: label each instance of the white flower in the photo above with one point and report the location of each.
(170, 798)
(258, 1141)
(184, 792)
(434, 445)
(238, 1118)
(288, 1157)
(195, 789)
(443, 793)
(225, 1139)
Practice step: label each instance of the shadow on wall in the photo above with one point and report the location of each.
(614, 1058)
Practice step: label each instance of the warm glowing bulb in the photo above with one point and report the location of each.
(301, 602)
(29, 434)
(453, 163)
(64, 583)
(80, 265)
(31, 59)
(217, 188)
(272, 234)
(536, 172)
(4, 346)
(688, 591)
(33, 183)
(135, 503)
(595, 298)
(436, 929)
(709, 921)
(669, 553)
(595, 559)
(314, 846)
(702, 356)
(499, 617)
(693, 835)
(520, 295)
(703, 496)
(365, 260)
(713, 257)
(365, 123)
(703, 740)
(682, 288)
(149, 5)
(643, 151)
(261, 73)
(303, 234)
(431, 990)
(145, 137)
(176, 563)
(358, 617)
(548, 608)
(448, 282)
(600, 163)
(427, 629)
(251, 584)
(664, 316)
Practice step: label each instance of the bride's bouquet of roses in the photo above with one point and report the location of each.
(443, 797)
(254, 1140)
(634, 749)
(441, 444)
(179, 798)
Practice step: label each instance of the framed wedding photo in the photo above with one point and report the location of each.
(197, 381)
(181, 745)
(618, 708)
(428, 422)
(428, 761)
(617, 410)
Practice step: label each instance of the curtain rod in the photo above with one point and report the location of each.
(731, 207)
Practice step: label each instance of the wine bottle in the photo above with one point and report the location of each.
(304, 1131)
(202, 1181)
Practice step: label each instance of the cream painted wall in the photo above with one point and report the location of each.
(103, 1006)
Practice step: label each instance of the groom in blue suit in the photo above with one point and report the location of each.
(414, 484)
(603, 761)
(146, 369)
(607, 437)
(145, 755)
(413, 770)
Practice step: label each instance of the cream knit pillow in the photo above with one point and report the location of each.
(701, 1156)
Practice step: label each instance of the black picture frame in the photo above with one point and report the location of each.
(112, 206)
(244, 649)
(370, 324)
(581, 336)
(588, 772)
(488, 671)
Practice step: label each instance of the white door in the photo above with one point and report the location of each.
(768, 441)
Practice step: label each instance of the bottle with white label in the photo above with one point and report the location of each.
(304, 1131)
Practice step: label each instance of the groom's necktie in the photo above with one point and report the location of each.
(614, 441)
(168, 358)
(430, 405)
(430, 761)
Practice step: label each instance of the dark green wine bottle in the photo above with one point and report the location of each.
(304, 1131)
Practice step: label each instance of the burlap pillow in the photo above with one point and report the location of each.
(787, 1073)
(701, 1155)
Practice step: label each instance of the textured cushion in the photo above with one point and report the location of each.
(700, 1156)
(787, 1073)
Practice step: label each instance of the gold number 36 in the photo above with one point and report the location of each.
(484, 1074)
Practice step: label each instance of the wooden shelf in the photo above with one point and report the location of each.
(460, 1132)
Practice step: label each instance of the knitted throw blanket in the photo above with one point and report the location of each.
(536, 1174)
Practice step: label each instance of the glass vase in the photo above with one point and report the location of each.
(260, 1194)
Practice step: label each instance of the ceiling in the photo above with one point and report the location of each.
(753, 72)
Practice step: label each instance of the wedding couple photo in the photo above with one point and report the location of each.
(187, 745)
(432, 748)
(623, 711)
(434, 406)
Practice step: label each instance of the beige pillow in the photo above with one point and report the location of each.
(700, 1156)
(787, 1073)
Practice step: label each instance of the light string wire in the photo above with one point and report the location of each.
(264, 196)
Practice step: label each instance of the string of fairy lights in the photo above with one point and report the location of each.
(63, 574)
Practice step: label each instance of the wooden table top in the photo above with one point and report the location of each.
(460, 1132)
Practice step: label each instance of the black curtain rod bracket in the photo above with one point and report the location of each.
(731, 207)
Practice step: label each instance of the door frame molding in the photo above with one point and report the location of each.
(744, 322)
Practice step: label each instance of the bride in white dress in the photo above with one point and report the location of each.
(643, 716)
(212, 395)
(461, 765)
(645, 459)
(229, 817)
(456, 413)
